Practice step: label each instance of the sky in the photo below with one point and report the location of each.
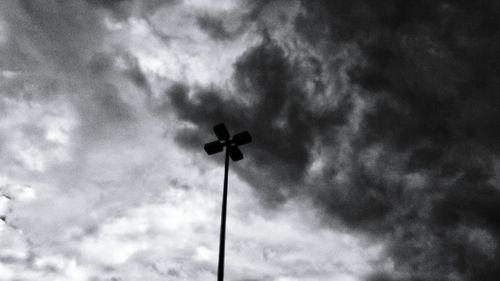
(375, 153)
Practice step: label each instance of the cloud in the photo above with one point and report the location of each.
(269, 93)
(432, 104)
(94, 186)
(384, 114)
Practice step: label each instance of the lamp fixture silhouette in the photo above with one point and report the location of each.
(232, 150)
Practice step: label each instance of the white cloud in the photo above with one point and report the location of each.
(99, 188)
(189, 55)
(217, 5)
(37, 134)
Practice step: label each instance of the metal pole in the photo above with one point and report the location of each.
(220, 272)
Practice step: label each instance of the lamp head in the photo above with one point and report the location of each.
(235, 153)
(221, 132)
(242, 138)
(213, 147)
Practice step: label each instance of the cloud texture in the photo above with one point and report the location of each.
(373, 123)
(383, 113)
(97, 99)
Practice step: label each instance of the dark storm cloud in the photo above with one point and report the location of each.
(273, 106)
(430, 69)
(420, 170)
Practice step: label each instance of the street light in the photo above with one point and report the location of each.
(234, 152)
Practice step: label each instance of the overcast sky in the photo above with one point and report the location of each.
(375, 128)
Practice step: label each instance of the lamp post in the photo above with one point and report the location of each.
(233, 152)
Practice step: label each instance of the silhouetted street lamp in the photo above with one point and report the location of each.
(234, 152)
